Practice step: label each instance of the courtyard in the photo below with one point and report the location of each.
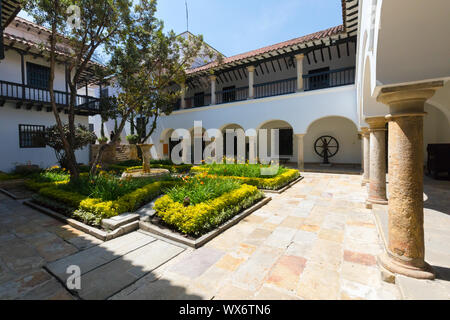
(316, 240)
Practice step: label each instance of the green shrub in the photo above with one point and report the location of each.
(200, 218)
(283, 177)
(6, 176)
(132, 138)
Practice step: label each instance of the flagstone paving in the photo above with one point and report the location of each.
(315, 241)
(28, 240)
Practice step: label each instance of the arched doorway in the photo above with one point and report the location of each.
(343, 130)
(287, 148)
(233, 126)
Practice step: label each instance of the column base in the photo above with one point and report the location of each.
(377, 201)
(364, 182)
(424, 273)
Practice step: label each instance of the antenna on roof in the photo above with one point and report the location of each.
(187, 16)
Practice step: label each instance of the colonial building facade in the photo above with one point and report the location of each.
(25, 99)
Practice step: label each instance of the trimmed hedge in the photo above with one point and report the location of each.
(203, 217)
(274, 183)
(36, 186)
(106, 209)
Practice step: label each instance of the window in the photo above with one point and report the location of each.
(199, 99)
(286, 142)
(30, 136)
(229, 94)
(38, 76)
(319, 81)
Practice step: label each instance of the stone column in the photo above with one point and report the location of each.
(251, 82)
(366, 158)
(213, 89)
(183, 96)
(300, 151)
(299, 58)
(377, 175)
(406, 249)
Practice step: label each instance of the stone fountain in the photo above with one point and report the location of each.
(146, 171)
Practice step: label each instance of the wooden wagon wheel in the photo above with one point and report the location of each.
(326, 147)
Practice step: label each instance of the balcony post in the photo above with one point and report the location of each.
(183, 96)
(213, 79)
(251, 81)
(299, 58)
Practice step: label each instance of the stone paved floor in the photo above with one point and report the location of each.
(315, 241)
(28, 240)
(437, 242)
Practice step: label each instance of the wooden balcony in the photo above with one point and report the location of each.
(315, 81)
(28, 97)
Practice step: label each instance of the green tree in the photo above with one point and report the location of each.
(52, 138)
(149, 66)
(102, 22)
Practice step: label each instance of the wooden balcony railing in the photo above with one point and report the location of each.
(231, 95)
(275, 88)
(329, 79)
(198, 101)
(41, 97)
(315, 81)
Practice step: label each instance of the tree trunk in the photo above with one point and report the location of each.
(67, 147)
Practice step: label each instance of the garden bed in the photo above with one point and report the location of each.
(202, 207)
(251, 174)
(90, 200)
(162, 230)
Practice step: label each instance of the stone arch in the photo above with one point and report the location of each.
(346, 133)
(287, 140)
(165, 143)
(436, 127)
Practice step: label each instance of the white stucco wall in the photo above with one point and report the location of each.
(298, 110)
(343, 130)
(12, 154)
(10, 69)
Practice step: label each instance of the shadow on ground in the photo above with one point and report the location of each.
(35, 251)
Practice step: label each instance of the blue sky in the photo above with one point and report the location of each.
(238, 26)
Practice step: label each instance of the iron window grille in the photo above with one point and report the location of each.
(30, 136)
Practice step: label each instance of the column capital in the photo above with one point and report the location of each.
(299, 56)
(300, 134)
(376, 122)
(364, 131)
(251, 68)
(408, 98)
(213, 77)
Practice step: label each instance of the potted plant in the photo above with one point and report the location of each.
(132, 138)
(102, 140)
